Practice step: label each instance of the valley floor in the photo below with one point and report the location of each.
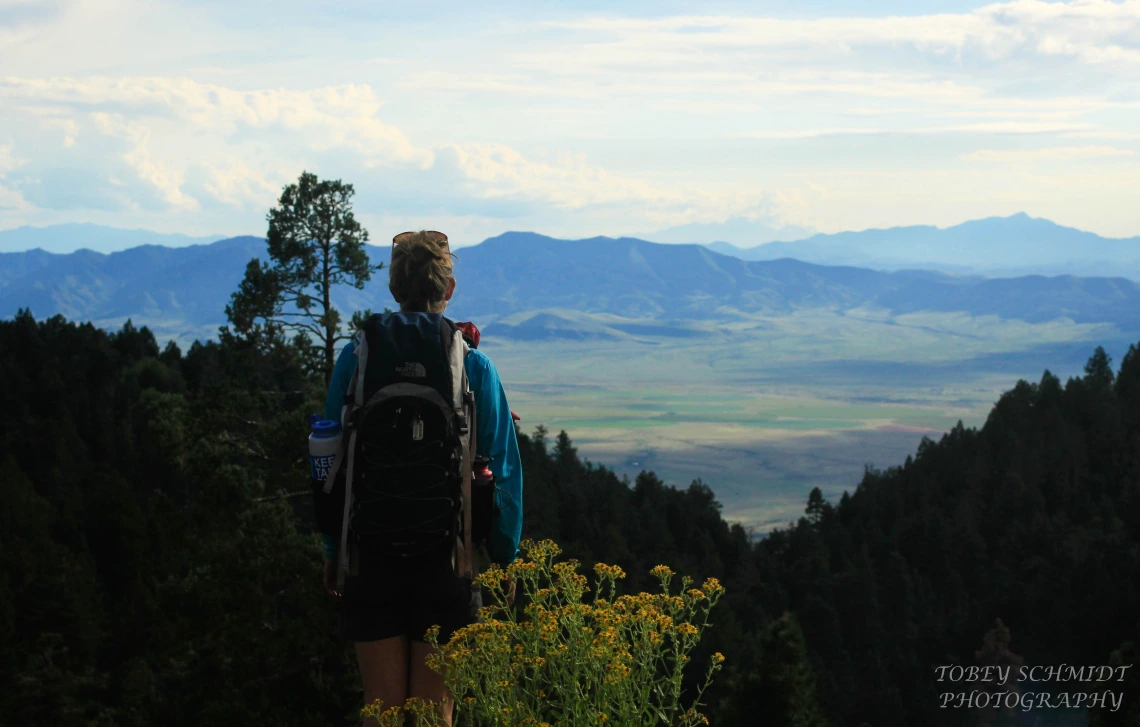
(766, 410)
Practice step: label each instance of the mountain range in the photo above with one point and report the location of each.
(995, 246)
(525, 285)
(86, 236)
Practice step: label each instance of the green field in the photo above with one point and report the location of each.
(765, 408)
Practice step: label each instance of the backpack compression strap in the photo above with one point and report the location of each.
(359, 340)
(355, 394)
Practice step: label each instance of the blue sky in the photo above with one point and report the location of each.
(571, 119)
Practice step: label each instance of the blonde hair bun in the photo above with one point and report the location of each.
(420, 273)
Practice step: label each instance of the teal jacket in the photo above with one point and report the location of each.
(495, 432)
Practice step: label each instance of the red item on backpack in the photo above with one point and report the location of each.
(472, 332)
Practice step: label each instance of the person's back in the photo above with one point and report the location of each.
(404, 570)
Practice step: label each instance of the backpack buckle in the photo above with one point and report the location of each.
(350, 418)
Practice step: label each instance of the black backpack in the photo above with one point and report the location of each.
(408, 444)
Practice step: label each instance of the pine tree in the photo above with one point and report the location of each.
(1098, 369)
(815, 505)
(1127, 690)
(315, 244)
(781, 691)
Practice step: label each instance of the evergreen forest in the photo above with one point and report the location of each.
(158, 562)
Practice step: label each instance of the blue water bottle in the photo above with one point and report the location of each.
(324, 442)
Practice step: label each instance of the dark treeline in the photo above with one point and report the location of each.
(158, 566)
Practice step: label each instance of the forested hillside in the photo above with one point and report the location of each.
(158, 566)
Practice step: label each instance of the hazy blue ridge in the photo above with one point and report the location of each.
(70, 237)
(1005, 246)
(736, 230)
(637, 279)
(18, 264)
(183, 291)
(189, 282)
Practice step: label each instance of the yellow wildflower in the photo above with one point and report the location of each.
(687, 629)
(711, 586)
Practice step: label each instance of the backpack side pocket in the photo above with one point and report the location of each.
(328, 508)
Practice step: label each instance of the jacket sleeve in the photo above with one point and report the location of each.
(495, 432)
(338, 386)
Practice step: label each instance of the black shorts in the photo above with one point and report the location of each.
(396, 597)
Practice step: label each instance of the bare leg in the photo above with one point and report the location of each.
(384, 671)
(426, 684)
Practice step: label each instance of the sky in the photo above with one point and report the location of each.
(571, 119)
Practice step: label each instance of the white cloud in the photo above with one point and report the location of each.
(8, 162)
(570, 182)
(161, 123)
(1095, 31)
(1022, 67)
(168, 129)
(150, 170)
(332, 116)
(1002, 127)
(1106, 134)
(1064, 153)
(11, 199)
(933, 63)
(235, 183)
(588, 124)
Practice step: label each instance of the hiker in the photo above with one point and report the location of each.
(404, 568)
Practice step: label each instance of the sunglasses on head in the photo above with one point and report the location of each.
(431, 235)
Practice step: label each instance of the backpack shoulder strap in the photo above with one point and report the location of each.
(455, 347)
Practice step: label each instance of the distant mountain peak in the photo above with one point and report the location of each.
(1018, 244)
